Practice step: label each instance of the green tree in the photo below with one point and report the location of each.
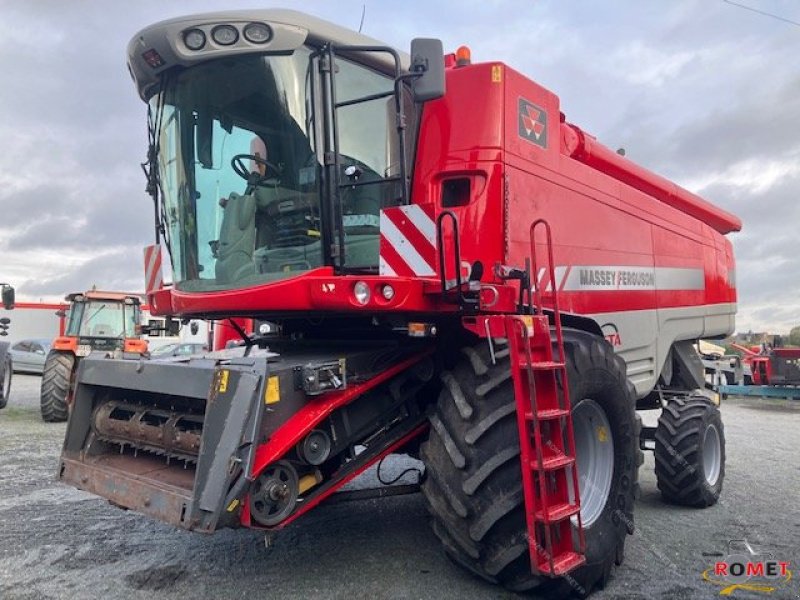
(794, 336)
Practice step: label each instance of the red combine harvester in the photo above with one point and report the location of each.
(449, 270)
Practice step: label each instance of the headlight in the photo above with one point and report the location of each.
(194, 39)
(361, 292)
(225, 35)
(387, 291)
(257, 33)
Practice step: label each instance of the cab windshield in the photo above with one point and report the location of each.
(240, 164)
(98, 318)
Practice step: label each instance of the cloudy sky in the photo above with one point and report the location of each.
(701, 91)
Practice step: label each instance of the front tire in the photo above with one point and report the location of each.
(473, 484)
(690, 452)
(56, 386)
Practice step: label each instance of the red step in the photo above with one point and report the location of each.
(552, 463)
(563, 563)
(550, 413)
(557, 512)
(540, 365)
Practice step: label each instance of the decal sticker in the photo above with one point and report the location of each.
(611, 333)
(273, 392)
(532, 123)
(222, 382)
(497, 73)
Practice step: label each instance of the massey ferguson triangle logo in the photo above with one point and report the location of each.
(532, 123)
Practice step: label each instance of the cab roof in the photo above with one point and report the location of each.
(290, 30)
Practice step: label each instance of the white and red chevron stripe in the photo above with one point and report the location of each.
(408, 242)
(153, 276)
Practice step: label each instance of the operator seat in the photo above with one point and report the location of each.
(237, 238)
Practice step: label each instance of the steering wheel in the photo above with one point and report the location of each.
(239, 167)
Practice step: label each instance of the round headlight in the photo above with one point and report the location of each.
(225, 35)
(361, 292)
(387, 291)
(257, 33)
(194, 39)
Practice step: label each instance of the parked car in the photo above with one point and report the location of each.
(178, 349)
(28, 356)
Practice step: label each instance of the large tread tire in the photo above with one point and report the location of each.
(679, 452)
(5, 381)
(56, 385)
(473, 482)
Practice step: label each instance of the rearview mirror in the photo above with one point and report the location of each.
(8, 296)
(427, 62)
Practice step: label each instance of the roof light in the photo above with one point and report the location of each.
(194, 39)
(257, 33)
(463, 56)
(225, 35)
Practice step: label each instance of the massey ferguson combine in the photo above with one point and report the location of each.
(450, 269)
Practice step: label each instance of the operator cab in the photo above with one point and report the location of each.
(274, 155)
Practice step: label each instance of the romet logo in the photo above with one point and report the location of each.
(746, 568)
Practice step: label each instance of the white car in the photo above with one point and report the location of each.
(29, 355)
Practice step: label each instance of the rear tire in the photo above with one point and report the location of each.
(5, 381)
(690, 452)
(473, 483)
(56, 386)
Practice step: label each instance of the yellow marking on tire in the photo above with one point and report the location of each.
(602, 434)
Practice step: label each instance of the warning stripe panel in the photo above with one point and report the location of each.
(408, 242)
(414, 236)
(153, 277)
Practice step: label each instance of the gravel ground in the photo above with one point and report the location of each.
(62, 543)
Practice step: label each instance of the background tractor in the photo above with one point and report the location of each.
(96, 321)
(448, 269)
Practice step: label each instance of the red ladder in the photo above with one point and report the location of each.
(547, 443)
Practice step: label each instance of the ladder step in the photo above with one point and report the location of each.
(541, 365)
(550, 413)
(551, 463)
(563, 563)
(557, 512)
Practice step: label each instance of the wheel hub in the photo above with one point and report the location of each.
(594, 448)
(274, 493)
(711, 455)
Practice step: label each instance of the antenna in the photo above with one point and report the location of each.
(363, 12)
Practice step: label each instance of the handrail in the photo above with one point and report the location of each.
(537, 292)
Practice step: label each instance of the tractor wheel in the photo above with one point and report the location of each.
(690, 452)
(473, 482)
(5, 381)
(56, 384)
